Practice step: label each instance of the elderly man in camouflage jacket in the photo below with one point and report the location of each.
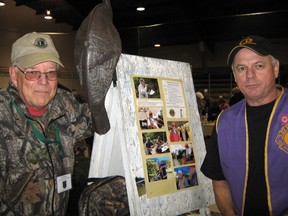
(39, 125)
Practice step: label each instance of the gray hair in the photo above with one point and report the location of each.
(273, 61)
(16, 63)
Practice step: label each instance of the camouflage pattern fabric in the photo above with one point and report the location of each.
(104, 197)
(29, 167)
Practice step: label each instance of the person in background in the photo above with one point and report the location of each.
(207, 102)
(143, 89)
(174, 135)
(248, 155)
(175, 160)
(213, 109)
(151, 121)
(159, 143)
(39, 125)
(184, 136)
(149, 146)
(162, 169)
(199, 94)
(159, 118)
(222, 103)
(236, 96)
(200, 103)
(180, 180)
(193, 176)
(188, 153)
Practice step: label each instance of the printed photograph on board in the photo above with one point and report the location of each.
(150, 118)
(140, 183)
(185, 177)
(182, 154)
(155, 143)
(179, 131)
(158, 168)
(146, 87)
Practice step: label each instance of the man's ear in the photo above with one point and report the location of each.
(276, 67)
(13, 75)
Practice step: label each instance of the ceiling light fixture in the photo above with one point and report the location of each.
(140, 6)
(157, 45)
(48, 15)
(2, 3)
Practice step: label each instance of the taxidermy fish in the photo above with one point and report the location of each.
(96, 54)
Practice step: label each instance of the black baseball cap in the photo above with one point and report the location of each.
(257, 44)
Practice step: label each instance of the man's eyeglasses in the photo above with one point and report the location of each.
(51, 75)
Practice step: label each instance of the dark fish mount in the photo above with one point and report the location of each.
(97, 51)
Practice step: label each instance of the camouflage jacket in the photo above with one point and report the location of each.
(28, 166)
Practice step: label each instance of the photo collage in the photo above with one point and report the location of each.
(165, 136)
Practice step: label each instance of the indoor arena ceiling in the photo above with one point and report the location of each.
(178, 22)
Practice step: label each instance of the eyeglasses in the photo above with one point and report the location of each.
(51, 75)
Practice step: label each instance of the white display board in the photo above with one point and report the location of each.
(120, 151)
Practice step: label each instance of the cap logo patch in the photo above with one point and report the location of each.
(41, 43)
(247, 41)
